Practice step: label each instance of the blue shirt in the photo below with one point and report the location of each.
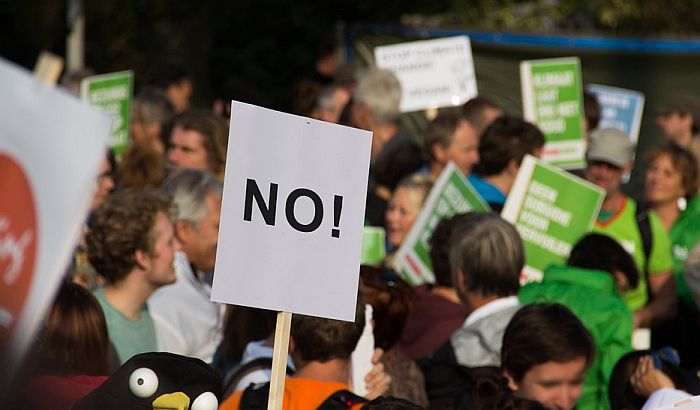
(488, 192)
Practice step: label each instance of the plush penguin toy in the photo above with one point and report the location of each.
(157, 381)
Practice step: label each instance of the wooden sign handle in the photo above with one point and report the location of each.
(48, 68)
(279, 360)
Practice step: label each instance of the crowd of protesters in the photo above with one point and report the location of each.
(477, 338)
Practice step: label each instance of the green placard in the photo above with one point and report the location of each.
(552, 210)
(553, 99)
(112, 94)
(373, 245)
(451, 194)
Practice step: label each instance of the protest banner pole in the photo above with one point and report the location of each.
(279, 361)
(48, 68)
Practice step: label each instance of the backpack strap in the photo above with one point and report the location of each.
(644, 226)
(235, 375)
(340, 400)
(255, 396)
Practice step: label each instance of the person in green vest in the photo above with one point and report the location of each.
(610, 155)
(597, 271)
(670, 187)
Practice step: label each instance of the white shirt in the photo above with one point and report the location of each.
(491, 308)
(186, 321)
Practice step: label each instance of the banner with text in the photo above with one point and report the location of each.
(551, 209)
(553, 99)
(51, 146)
(292, 214)
(451, 194)
(433, 73)
(619, 108)
(112, 94)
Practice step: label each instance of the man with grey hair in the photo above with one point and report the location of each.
(375, 108)
(187, 322)
(486, 258)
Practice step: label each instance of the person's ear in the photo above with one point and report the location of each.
(142, 259)
(439, 153)
(512, 385)
(512, 168)
(292, 345)
(460, 283)
(183, 231)
(628, 167)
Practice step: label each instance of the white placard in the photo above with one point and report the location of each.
(284, 243)
(433, 73)
(51, 146)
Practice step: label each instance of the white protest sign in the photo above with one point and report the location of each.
(433, 73)
(292, 214)
(659, 397)
(51, 146)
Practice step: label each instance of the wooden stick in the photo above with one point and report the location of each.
(48, 68)
(279, 361)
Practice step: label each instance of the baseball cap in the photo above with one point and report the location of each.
(612, 146)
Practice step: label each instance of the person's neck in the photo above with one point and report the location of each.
(668, 213)
(612, 201)
(128, 296)
(334, 370)
(382, 134)
(446, 292)
(683, 140)
(502, 181)
(475, 301)
(436, 169)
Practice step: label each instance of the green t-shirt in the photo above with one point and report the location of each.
(684, 234)
(129, 337)
(623, 228)
(591, 296)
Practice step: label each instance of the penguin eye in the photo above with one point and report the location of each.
(143, 382)
(205, 401)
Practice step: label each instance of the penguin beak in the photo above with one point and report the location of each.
(172, 401)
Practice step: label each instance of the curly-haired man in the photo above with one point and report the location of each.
(131, 244)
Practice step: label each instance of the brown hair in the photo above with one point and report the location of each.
(683, 161)
(123, 224)
(319, 339)
(441, 131)
(75, 339)
(541, 333)
(507, 139)
(392, 300)
(213, 129)
(141, 166)
(474, 110)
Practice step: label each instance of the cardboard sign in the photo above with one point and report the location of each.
(553, 99)
(658, 398)
(433, 73)
(112, 94)
(51, 146)
(451, 194)
(551, 209)
(619, 108)
(292, 214)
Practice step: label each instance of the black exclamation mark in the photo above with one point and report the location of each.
(337, 208)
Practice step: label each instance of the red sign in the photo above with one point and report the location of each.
(18, 243)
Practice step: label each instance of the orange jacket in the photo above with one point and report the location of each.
(299, 394)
